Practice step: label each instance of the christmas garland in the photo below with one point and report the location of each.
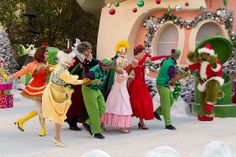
(221, 16)
(152, 24)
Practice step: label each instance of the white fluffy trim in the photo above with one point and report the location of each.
(90, 57)
(218, 67)
(205, 50)
(203, 69)
(202, 87)
(80, 56)
(210, 103)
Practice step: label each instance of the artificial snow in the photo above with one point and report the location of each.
(189, 140)
(164, 151)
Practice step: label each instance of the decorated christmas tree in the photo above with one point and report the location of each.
(6, 52)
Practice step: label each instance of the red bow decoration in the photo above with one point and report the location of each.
(44, 44)
(139, 47)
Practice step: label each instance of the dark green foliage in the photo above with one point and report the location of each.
(56, 21)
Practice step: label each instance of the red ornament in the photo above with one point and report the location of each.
(158, 1)
(135, 10)
(186, 4)
(112, 11)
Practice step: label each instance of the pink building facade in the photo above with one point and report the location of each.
(185, 31)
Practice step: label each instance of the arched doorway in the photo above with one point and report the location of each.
(207, 30)
(168, 39)
(168, 36)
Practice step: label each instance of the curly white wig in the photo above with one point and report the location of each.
(122, 61)
(65, 57)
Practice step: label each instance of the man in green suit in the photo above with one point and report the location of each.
(166, 78)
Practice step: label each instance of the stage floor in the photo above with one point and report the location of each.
(189, 139)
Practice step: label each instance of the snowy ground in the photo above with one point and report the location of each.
(189, 139)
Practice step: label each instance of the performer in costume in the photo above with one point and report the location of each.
(38, 70)
(93, 98)
(166, 77)
(83, 62)
(140, 97)
(121, 49)
(210, 78)
(56, 98)
(118, 108)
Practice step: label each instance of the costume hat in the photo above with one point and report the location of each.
(175, 53)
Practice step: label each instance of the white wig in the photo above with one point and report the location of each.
(65, 57)
(121, 61)
(96, 153)
(163, 151)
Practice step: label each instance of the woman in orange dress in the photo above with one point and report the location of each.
(38, 69)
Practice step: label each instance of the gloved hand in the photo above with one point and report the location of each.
(212, 61)
(86, 80)
(118, 70)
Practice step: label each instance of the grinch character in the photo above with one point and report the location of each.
(209, 68)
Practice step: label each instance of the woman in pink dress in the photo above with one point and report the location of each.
(140, 97)
(118, 108)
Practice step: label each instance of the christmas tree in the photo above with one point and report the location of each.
(6, 52)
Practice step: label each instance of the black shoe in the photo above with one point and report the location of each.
(74, 128)
(87, 127)
(99, 136)
(170, 127)
(156, 115)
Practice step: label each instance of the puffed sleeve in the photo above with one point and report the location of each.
(70, 79)
(154, 58)
(28, 69)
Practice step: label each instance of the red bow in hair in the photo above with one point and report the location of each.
(139, 47)
(44, 44)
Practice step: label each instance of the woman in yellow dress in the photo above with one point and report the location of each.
(56, 98)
